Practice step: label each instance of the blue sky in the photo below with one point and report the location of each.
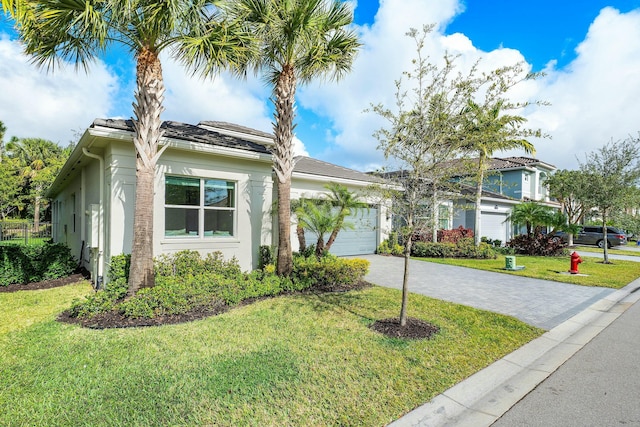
(589, 50)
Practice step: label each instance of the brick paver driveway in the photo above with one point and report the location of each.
(540, 303)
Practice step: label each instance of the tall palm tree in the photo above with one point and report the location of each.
(80, 31)
(299, 40)
(488, 130)
(39, 161)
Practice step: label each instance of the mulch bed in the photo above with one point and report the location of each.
(46, 284)
(415, 328)
(116, 320)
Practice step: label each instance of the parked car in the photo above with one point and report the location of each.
(591, 235)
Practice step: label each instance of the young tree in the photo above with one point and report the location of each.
(299, 41)
(80, 31)
(421, 138)
(568, 187)
(613, 172)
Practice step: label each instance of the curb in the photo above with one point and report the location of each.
(486, 395)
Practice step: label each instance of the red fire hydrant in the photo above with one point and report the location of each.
(575, 260)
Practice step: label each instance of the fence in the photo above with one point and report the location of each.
(24, 233)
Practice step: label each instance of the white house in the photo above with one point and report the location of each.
(214, 191)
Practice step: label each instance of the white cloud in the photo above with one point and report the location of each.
(594, 99)
(34, 103)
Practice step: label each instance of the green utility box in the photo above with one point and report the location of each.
(510, 263)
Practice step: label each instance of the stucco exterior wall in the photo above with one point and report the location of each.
(252, 221)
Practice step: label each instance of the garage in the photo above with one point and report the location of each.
(494, 226)
(362, 239)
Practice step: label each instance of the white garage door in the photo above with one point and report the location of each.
(362, 239)
(493, 226)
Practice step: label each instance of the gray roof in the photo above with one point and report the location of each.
(498, 163)
(235, 128)
(311, 166)
(191, 133)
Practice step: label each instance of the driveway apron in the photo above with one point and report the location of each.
(540, 303)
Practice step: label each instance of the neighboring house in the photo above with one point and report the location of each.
(214, 191)
(509, 181)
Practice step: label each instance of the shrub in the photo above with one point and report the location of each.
(538, 244)
(33, 263)
(328, 271)
(465, 248)
(433, 250)
(455, 235)
(389, 248)
(119, 267)
(265, 256)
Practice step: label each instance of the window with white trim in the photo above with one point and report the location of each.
(199, 207)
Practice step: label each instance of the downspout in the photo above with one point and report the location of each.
(101, 236)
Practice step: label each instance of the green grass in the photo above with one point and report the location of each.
(292, 360)
(612, 251)
(615, 275)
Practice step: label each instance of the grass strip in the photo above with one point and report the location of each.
(616, 275)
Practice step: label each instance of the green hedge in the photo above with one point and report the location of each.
(185, 281)
(34, 263)
(465, 248)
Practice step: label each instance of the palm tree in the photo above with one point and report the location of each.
(299, 40)
(39, 161)
(487, 131)
(80, 31)
(532, 215)
(346, 201)
(319, 217)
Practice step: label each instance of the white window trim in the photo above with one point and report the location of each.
(201, 210)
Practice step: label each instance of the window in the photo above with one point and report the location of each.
(196, 207)
(443, 217)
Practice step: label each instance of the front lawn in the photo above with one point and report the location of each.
(301, 359)
(616, 275)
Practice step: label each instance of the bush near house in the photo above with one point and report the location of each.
(464, 248)
(444, 236)
(187, 282)
(34, 263)
(537, 244)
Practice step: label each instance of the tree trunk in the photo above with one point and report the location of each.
(334, 232)
(605, 242)
(476, 227)
(36, 213)
(435, 215)
(302, 241)
(283, 164)
(147, 108)
(320, 247)
(405, 282)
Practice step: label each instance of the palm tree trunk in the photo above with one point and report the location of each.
(148, 107)
(334, 233)
(283, 164)
(36, 213)
(302, 241)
